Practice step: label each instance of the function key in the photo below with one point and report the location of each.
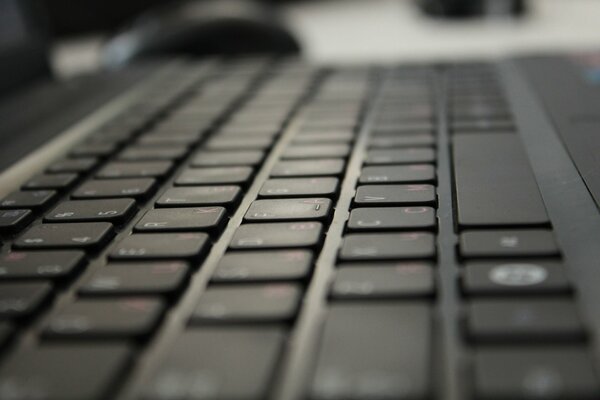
(239, 143)
(391, 195)
(100, 150)
(183, 219)
(77, 165)
(226, 196)
(385, 246)
(400, 156)
(515, 277)
(110, 210)
(323, 137)
(139, 153)
(316, 151)
(277, 235)
(255, 266)
(19, 300)
(558, 372)
(102, 189)
(387, 141)
(524, 320)
(53, 181)
(106, 318)
(212, 176)
(505, 243)
(398, 174)
(383, 280)
(382, 218)
(141, 169)
(142, 246)
(227, 158)
(88, 235)
(322, 167)
(299, 187)
(33, 199)
(40, 264)
(288, 209)
(254, 303)
(136, 279)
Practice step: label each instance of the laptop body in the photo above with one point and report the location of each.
(267, 229)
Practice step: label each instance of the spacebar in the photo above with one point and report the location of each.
(374, 351)
(495, 185)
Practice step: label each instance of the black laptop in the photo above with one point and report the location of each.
(266, 229)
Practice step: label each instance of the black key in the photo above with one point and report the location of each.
(225, 364)
(508, 243)
(6, 331)
(392, 218)
(494, 182)
(288, 209)
(391, 195)
(323, 137)
(404, 127)
(239, 143)
(363, 355)
(299, 187)
(212, 176)
(100, 150)
(384, 246)
(164, 140)
(18, 300)
(517, 277)
(97, 189)
(76, 165)
(316, 151)
(106, 318)
(208, 219)
(388, 141)
(325, 167)
(109, 210)
(51, 181)
(34, 199)
(400, 156)
(398, 174)
(226, 196)
(85, 235)
(524, 320)
(63, 371)
(252, 303)
(558, 372)
(136, 279)
(139, 169)
(383, 280)
(478, 125)
(14, 220)
(277, 235)
(227, 158)
(264, 266)
(40, 264)
(140, 153)
(161, 245)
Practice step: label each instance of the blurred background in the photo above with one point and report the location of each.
(85, 35)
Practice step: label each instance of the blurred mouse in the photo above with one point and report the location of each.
(202, 27)
(473, 8)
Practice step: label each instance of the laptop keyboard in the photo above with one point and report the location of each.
(263, 229)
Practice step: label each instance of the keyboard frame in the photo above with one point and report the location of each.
(575, 227)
